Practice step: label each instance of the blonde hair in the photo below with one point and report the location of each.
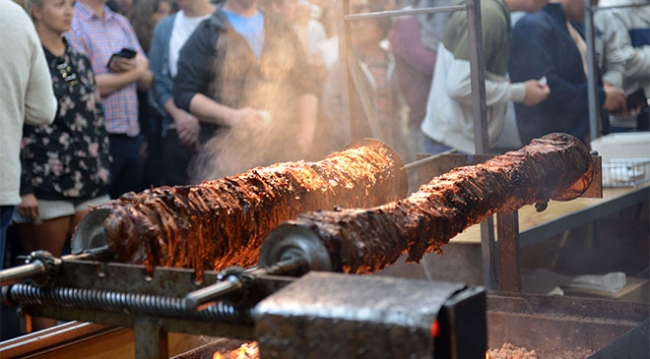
(29, 6)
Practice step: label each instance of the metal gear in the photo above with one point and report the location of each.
(244, 295)
(52, 266)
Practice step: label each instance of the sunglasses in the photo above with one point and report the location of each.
(66, 72)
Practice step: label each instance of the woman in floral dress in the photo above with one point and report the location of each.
(64, 164)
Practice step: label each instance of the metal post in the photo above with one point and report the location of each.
(150, 339)
(595, 120)
(481, 139)
(345, 78)
(509, 268)
(477, 67)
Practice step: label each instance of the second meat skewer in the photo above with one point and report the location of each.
(557, 167)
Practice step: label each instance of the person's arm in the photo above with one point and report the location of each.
(40, 103)
(145, 80)
(638, 63)
(115, 81)
(28, 206)
(194, 75)
(459, 86)
(613, 61)
(210, 110)
(636, 56)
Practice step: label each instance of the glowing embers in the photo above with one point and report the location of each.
(245, 351)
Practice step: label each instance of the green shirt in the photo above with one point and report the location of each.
(495, 21)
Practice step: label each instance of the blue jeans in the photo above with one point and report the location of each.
(127, 167)
(6, 212)
(434, 147)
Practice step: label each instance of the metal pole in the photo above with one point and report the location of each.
(21, 273)
(477, 67)
(595, 120)
(509, 265)
(430, 10)
(345, 78)
(481, 139)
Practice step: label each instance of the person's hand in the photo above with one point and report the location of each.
(28, 207)
(615, 100)
(141, 64)
(187, 128)
(121, 64)
(536, 92)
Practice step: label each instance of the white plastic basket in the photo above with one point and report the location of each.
(626, 172)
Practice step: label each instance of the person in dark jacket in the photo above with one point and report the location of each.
(550, 44)
(245, 75)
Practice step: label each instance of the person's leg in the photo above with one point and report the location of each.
(126, 168)
(50, 235)
(6, 212)
(176, 159)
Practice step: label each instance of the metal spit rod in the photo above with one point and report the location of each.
(39, 261)
(21, 273)
(204, 297)
(426, 161)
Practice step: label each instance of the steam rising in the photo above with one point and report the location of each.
(234, 150)
(270, 85)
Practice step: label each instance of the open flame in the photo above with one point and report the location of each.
(251, 351)
(245, 351)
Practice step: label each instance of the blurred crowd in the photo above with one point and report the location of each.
(113, 96)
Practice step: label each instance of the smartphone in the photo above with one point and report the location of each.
(126, 53)
(636, 99)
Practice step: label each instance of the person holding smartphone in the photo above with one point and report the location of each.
(101, 35)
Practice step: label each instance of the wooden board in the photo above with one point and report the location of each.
(529, 217)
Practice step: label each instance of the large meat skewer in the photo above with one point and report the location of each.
(557, 166)
(223, 222)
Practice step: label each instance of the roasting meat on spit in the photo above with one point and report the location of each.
(557, 167)
(223, 222)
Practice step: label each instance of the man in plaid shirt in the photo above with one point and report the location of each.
(98, 33)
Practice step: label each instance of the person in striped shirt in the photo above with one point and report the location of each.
(98, 33)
